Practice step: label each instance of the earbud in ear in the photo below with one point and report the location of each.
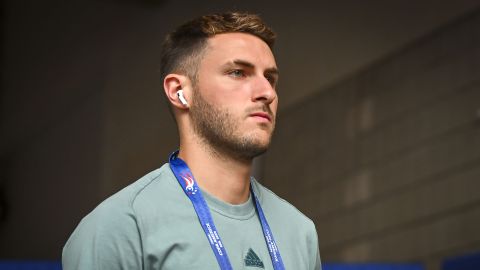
(181, 97)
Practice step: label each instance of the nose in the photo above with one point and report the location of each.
(263, 91)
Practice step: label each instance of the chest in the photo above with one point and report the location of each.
(180, 243)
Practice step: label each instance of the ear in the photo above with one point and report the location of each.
(174, 82)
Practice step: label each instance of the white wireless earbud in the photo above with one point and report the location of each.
(181, 97)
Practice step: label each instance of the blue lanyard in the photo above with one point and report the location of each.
(189, 185)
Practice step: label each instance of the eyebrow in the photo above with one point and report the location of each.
(240, 62)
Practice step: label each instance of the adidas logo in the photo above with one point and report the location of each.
(252, 259)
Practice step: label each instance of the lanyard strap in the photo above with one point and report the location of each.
(187, 181)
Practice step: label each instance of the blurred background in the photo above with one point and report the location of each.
(378, 134)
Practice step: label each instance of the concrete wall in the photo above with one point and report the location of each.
(387, 161)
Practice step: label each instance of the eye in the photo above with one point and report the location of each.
(237, 73)
(272, 80)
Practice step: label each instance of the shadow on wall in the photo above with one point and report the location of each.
(387, 161)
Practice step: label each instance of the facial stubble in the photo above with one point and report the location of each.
(220, 131)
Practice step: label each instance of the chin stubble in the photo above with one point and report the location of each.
(217, 128)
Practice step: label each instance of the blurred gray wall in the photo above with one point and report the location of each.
(387, 161)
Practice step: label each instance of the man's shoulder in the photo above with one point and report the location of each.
(123, 203)
(111, 227)
(130, 194)
(289, 225)
(117, 216)
(279, 208)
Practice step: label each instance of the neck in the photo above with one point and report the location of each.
(220, 175)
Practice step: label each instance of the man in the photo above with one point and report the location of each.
(202, 210)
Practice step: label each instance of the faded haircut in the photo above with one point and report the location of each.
(183, 49)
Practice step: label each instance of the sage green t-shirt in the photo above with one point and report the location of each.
(151, 224)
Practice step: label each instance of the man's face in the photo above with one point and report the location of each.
(234, 101)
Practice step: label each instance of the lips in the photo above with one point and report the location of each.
(262, 115)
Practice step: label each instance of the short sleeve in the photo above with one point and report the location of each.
(107, 238)
(317, 265)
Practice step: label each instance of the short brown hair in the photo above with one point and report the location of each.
(183, 49)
